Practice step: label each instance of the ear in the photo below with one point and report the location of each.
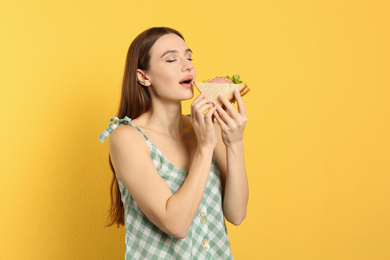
(142, 78)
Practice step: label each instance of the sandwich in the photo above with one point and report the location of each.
(224, 86)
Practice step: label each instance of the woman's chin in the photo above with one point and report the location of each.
(189, 95)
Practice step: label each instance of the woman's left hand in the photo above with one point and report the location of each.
(232, 122)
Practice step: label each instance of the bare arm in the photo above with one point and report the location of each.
(171, 213)
(231, 160)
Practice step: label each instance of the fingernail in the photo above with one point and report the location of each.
(220, 96)
(214, 103)
(236, 91)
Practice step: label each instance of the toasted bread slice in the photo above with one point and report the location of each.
(213, 90)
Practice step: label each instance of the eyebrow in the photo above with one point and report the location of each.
(174, 51)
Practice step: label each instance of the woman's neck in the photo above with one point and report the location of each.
(166, 119)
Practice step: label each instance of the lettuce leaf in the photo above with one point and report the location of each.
(235, 79)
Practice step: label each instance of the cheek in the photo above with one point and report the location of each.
(163, 79)
(161, 73)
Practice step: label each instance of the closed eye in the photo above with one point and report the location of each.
(170, 61)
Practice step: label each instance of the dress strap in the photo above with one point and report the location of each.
(114, 123)
(142, 133)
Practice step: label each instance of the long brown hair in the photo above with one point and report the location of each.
(135, 100)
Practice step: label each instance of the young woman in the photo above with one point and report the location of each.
(175, 177)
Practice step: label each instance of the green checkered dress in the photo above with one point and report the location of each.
(207, 237)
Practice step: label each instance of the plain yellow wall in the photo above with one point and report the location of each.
(317, 141)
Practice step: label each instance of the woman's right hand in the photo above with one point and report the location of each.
(203, 124)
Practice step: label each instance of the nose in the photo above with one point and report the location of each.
(187, 65)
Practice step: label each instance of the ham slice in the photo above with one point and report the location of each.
(220, 80)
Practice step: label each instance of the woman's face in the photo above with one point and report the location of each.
(171, 72)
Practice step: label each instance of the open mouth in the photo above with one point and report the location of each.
(186, 81)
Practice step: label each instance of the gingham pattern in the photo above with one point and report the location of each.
(207, 237)
(114, 123)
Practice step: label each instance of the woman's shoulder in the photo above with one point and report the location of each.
(124, 134)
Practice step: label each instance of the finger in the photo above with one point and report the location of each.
(220, 120)
(195, 106)
(197, 117)
(240, 104)
(209, 115)
(199, 113)
(201, 96)
(224, 115)
(200, 103)
(229, 107)
(198, 99)
(204, 107)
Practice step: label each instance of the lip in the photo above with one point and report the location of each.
(188, 77)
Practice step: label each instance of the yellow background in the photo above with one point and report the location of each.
(317, 140)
